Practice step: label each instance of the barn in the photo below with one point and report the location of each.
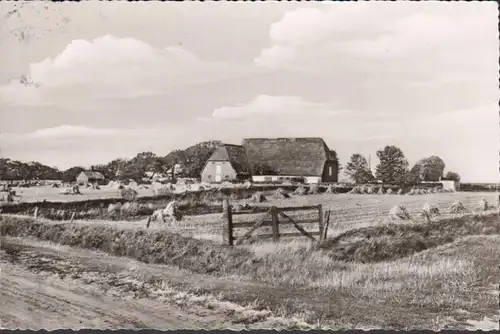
(87, 176)
(274, 159)
(227, 163)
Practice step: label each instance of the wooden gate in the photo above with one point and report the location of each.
(274, 218)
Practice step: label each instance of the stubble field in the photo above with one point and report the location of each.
(371, 272)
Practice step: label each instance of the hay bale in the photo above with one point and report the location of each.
(457, 207)
(483, 204)
(281, 194)
(370, 190)
(128, 194)
(380, 191)
(301, 190)
(258, 197)
(389, 191)
(313, 190)
(400, 191)
(399, 212)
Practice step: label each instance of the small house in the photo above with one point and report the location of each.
(87, 176)
(227, 163)
(277, 159)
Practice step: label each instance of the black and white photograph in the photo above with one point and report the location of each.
(249, 165)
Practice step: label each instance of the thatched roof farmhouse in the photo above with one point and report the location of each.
(227, 163)
(273, 159)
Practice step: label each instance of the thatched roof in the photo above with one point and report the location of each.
(93, 175)
(287, 156)
(235, 154)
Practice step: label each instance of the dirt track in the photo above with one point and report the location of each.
(44, 286)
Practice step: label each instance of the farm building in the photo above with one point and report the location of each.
(227, 163)
(88, 176)
(273, 159)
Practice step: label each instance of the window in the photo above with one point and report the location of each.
(268, 178)
(226, 177)
(209, 177)
(330, 170)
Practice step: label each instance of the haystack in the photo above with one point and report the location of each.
(399, 212)
(429, 211)
(380, 191)
(128, 194)
(114, 208)
(329, 189)
(281, 194)
(6, 196)
(411, 192)
(313, 190)
(483, 204)
(170, 212)
(130, 209)
(400, 191)
(76, 189)
(457, 207)
(301, 190)
(355, 190)
(258, 197)
(389, 191)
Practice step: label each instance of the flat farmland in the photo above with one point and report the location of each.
(347, 212)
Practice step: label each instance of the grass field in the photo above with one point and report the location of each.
(370, 273)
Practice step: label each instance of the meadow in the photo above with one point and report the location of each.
(371, 272)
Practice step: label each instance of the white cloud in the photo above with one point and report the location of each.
(266, 106)
(120, 66)
(435, 38)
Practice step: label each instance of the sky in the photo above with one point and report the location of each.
(111, 79)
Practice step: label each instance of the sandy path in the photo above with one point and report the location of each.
(33, 297)
(47, 286)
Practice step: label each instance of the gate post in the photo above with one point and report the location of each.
(275, 222)
(227, 229)
(320, 222)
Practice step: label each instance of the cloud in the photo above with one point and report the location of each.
(269, 106)
(112, 67)
(432, 37)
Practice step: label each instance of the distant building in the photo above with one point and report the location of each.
(274, 159)
(227, 163)
(88, 176)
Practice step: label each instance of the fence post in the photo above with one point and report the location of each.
(227, 217)
(73, 216)
(275, 226)
(36, 213)
(321, 226)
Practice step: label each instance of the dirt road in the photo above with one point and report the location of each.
(44, 286)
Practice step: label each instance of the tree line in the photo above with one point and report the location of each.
(192, 159)
(393, 168)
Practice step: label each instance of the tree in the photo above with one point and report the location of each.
(393, 165)
(357, 169)
(429, 169)
(452, 176)
(70, 174)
